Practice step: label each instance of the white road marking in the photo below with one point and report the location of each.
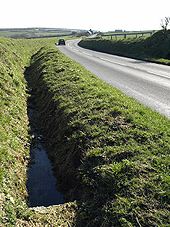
(165, 75)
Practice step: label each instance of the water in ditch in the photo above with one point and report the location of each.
(41, 183)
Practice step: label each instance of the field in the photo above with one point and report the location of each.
(110, 153)
(37, 32)
(124, 35)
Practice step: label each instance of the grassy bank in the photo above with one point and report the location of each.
(109, 152)
(154, 48)
(15, 139)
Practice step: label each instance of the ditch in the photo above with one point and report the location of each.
(41, 182)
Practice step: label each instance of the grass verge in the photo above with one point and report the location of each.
(109, 152)
(15, 140)
(155, 48)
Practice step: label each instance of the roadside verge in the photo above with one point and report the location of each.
(109, 152)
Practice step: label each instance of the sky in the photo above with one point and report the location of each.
(101, 15)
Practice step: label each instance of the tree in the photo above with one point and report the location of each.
(165, 22)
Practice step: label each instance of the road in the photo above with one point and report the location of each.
(147, 82)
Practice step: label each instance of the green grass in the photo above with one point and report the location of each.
(34, 32)
(14, 136)
(126, 35)
(121, 37)
(109, 152)
(154, 48)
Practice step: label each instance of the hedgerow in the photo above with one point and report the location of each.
(155, 48)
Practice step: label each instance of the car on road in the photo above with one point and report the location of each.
(61, 42)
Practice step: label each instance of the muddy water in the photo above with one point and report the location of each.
(41, 183)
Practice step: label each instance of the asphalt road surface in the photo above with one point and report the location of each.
(149, 83)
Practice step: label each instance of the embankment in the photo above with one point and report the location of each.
(109, 152)
(15, 139)
(155, 48)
